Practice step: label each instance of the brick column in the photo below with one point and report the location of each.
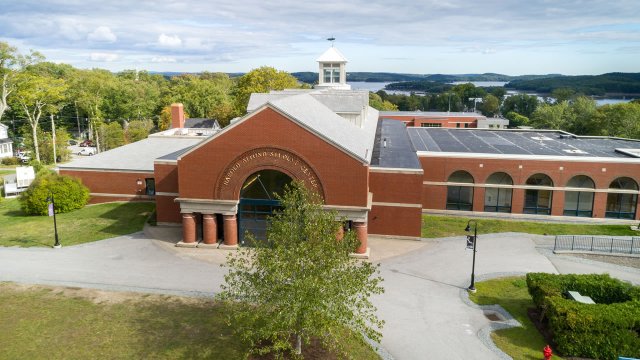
(599, 204)
(230, 230)
(210, 229)
(340, 231)
(361, 234)
(557, 203)
(188, 228)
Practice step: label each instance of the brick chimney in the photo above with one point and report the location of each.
(177, 116)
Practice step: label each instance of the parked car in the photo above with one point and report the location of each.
(72, 142)
(86, 143)
(24, 156)
(87, 151)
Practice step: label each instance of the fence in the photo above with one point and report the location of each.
(610, 244)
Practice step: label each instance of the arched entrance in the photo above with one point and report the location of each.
(258, 200)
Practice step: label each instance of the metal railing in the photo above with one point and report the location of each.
(610, 244)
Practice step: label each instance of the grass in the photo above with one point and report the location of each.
(443, 226)
(88, 224)
(511, 293)
(67, 323)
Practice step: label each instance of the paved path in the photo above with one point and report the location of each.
(423, 305)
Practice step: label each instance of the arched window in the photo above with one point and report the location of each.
(622, 199)
(459, 196)
(538, 201)
(579, 203)
(498, 199)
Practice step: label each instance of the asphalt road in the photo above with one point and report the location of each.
(424, 303)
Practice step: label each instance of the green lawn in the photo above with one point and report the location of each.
(443, 226)
(63, 323)
(511, 293)
(91, 223)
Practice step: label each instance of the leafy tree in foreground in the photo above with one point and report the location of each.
(301, 284)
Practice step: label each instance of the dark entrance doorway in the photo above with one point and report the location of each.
(258, 201)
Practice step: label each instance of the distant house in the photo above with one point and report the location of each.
(6, 145)
(16, 183)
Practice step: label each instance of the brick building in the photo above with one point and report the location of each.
(375, 172)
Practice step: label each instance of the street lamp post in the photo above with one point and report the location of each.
(52, 210)
(472, 287)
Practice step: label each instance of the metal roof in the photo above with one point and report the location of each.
(137, 156)
(518, 142)
(393, 148)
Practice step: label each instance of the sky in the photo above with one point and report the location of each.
(511, 37)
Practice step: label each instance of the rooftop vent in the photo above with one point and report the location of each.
(575, 151)
(541, 138)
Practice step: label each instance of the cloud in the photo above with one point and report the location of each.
(102, 34)
(104, 57)
(169, 41)
(162, 59)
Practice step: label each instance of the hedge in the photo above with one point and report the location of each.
(68, 192)
(605, 330)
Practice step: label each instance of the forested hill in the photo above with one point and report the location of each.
(312, 77)
(610, 83)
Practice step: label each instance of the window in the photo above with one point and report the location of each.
(430, 125)
(538, 201)
(331, 73)
(457, 125)
(150, 186)
(498, 199)
(579, 203)
(490, 126)
(460, 197)
(622, 199)
(466, 125)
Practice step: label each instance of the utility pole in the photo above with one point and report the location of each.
(75, 104)
(53, 140)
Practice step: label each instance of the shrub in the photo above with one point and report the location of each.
(69, 194)
(605, 330)
(10, 161)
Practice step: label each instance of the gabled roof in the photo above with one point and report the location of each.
(332, 55)
(137, 156)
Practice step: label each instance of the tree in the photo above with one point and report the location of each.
(581, 115)
(302, 283)
(138, 130)
(522, 104)
(261, 80)
(490, 105)
(563, 94)
(69, 194)
(376, 102)
(516, 119)
(38, 95)
(205, 96)
(552, 117)
(11, 64)
(112, 135)
(621, 120)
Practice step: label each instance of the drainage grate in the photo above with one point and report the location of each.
(492, 317)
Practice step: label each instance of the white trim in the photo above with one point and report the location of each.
(161, 193)
(395, 170)
(61, 168)
(165, 162)
(122, 195)
(397, 205)
(528, 157)
(208, 206)
(532, 187)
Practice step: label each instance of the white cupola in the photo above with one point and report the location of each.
(332, 72)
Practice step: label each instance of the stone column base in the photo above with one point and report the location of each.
(364, 255)
(186, 244)
(228, 247)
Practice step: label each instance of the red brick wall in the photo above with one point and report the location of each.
(438, 169)
(444, 121)
(343, 178)
(112, 183)
(395, 188)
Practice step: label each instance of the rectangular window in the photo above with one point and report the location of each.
(466, 125)
(151, 186)
(430, 125)
(457, 125)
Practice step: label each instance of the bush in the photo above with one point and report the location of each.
(10, 161)
(605, 330)
(68, 192)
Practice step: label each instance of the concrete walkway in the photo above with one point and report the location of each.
(423, 306)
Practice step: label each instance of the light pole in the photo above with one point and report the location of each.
(472, 287)
(52, 210)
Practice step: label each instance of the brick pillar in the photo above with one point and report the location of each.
(517, 201)
(361, 234)
(599, 204)
(230, 230)
(478, 199)
(188, 228)
(557, 203)
(210, 229)
(340, 232)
